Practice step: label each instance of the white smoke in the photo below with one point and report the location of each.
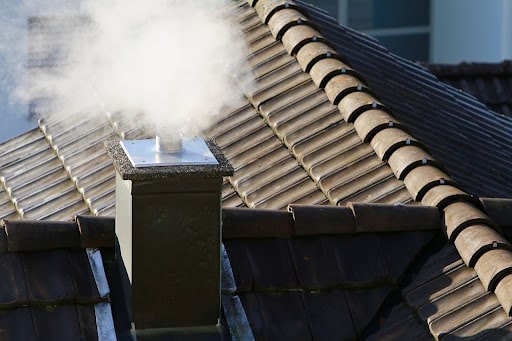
(175, 61)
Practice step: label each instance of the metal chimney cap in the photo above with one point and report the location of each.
(127, 171)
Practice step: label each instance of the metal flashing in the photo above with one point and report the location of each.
(143, 153)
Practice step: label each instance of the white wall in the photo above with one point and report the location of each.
(471, 30)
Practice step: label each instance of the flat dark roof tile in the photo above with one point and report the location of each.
(56, 323)
(47, 276)
(284, 316)
(365, 303)
(12, 290)
(315, 263)
(17, 324)
(271, 264)
(329, 315)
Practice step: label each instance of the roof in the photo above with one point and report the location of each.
(490, 83)
(333, 118)
(53, 281)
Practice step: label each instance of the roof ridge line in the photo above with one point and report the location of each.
(39, 235)
(476, 236)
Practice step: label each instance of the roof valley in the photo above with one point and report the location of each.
(473, 233)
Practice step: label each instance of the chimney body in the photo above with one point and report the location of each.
(168, 222)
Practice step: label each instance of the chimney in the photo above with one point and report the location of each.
(168, 222)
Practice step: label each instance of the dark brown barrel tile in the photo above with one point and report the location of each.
(504, 293)
(351, 105)
(41, 235)
(314, 220)
(96, 232)
(370, 122)
(283, 19)
(460, 215)
(445, 194)
(297, 36)
(421, 179)
(323, 70)
(475, 240)
(341, 85)
(385, 218)
(492, 266)
(313, 52)
(245, 222)
(406, 158)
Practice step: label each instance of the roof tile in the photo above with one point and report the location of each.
(370, 122)
(386, 141)
(406, 158)
(283, 19)
(465, 314)
(380, 218)
(503, 292)
(39, 235)
(460, 215)
(313, 52)
(297, 36)
(324, 311)
(475, 240)
(325, 69)
(493, 266)
(341, 85)
(314, 220)
(421, 179)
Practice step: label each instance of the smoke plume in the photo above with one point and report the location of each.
(178, 62)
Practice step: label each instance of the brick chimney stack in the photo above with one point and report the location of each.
(168, 222)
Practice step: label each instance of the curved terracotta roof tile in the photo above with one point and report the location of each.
(298, 36)
(421, 179)
(370, 122)
(459, 215)
(282, 20)
(444, 194)
(355, 103)
(341, 85)
(386, 141)
(475, 240)
(313, 52)
(406, 158)
(325, 69)
(266, 9)
(493, 266)
(502, 291)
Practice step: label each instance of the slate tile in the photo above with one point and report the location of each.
(17, 324)
(284, 316)
(315, 262)
(87, 321)
(84, 283)
(362, 251)
(48, 277)
(56, 322)
(399, 250)
(239, 259)
(271, 264)
(365, 303)
(254, 315)
(13, 290)
(329, 315)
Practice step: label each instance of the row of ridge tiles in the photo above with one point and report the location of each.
(475, 235)
(32, 235)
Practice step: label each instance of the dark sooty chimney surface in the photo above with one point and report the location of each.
(128, 172)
